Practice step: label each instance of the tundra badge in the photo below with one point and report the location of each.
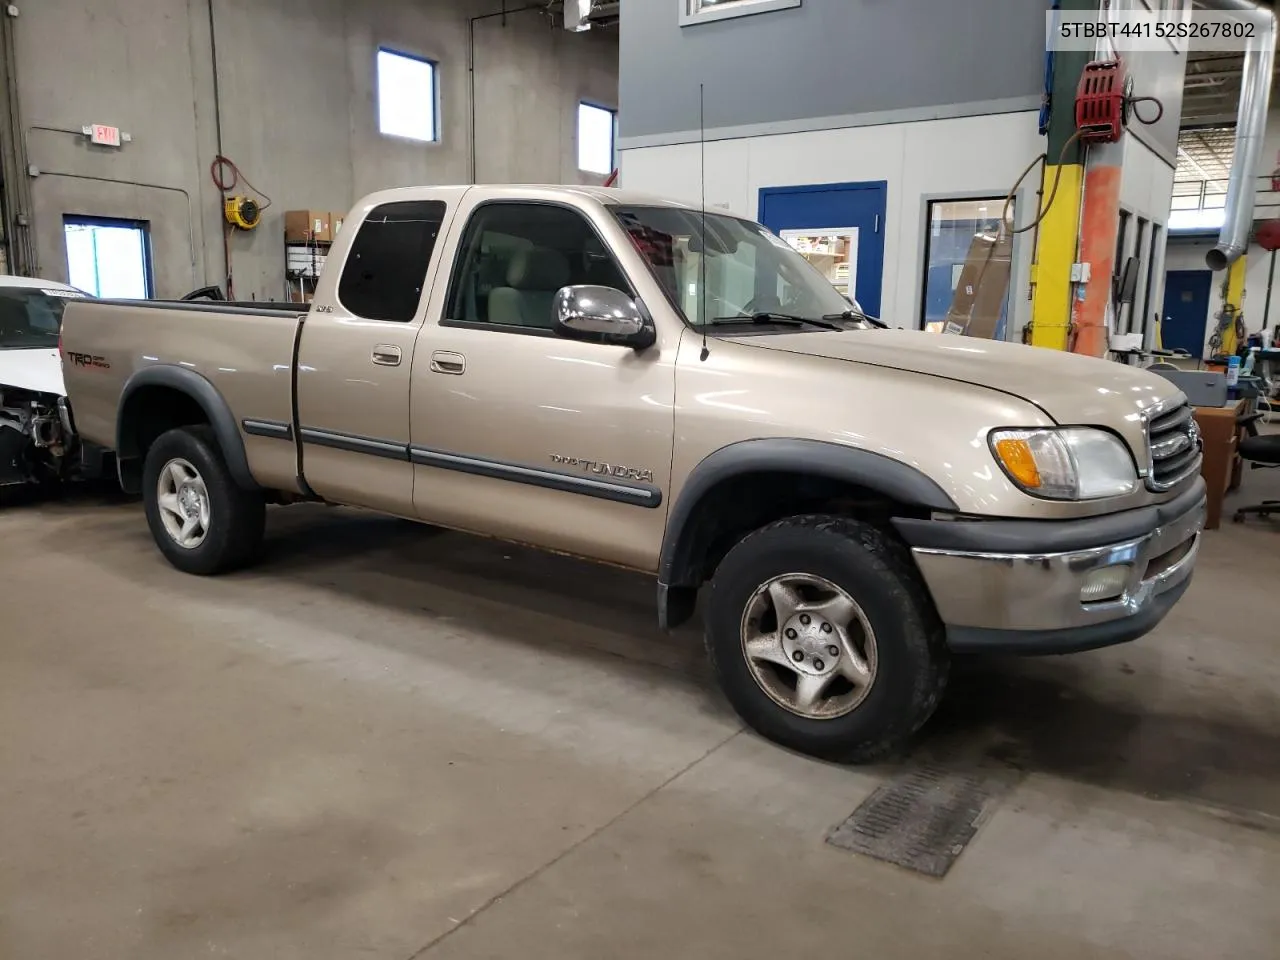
(600, 468)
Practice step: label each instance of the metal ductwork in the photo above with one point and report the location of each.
(580, 15)
(1251, 123)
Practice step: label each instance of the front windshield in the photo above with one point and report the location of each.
(31, 317)
(749, 271)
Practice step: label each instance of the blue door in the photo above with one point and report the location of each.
(1186, 310)
(856, 207)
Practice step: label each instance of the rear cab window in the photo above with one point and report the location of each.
(386, 267)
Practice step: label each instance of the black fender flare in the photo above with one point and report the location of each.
(215, 407)
(874, 471)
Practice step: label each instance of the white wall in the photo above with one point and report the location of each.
(1146, 191)
(931, 158)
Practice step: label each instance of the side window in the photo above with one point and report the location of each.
(387, 266)
(513, 259)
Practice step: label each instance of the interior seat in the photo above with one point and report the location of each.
(533, 278)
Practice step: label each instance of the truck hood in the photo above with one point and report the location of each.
(36, 370)
(1069, 387)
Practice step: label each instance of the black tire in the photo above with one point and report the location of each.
(237, 516)
(875, 570)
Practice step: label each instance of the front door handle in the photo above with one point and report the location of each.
(446, 361)
(386, 355)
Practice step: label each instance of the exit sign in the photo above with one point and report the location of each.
(106, 136)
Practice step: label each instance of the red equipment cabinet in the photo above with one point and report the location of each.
(1100, 101)
(1268, 235)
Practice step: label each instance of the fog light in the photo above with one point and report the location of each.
(1105, 583)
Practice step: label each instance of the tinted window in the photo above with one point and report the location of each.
(30, 317)
(514, 258)
(387, 266)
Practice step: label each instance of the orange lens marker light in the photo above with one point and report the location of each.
(1017, 459)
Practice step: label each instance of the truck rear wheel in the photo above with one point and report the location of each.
(824, 639)
(201, 520)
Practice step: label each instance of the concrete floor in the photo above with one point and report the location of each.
(392, 742)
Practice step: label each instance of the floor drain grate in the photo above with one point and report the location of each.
(923, 819)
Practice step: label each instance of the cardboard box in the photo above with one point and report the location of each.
(307, 226)
(335, 220)
(298, 296)
(982, 287)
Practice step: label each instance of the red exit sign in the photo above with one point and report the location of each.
(104, 135)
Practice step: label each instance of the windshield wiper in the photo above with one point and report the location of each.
(856, 315)
(768, 316)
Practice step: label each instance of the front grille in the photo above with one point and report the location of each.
(1174, 442)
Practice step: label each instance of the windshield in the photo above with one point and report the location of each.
(31, 317)
(749, 271)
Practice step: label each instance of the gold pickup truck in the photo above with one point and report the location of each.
(645, 384)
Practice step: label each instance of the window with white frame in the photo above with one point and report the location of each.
(702, 11)
(406, 96)
(597, 127)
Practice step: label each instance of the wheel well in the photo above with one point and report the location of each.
(148, 412)
(735, 507)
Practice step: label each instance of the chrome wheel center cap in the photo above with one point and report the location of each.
(811, 644)
(189, 498)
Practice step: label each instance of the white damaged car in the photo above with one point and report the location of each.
(38, 443)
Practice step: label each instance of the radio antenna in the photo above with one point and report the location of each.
(702, 254)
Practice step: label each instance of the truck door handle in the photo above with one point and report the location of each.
(445, 361)
(387, 355)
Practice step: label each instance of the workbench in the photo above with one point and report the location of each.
(1220, 432)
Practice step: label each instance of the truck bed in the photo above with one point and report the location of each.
(244, 352)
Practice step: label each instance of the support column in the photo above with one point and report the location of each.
(1059, 233)
(1232, 305)
(1099, 226)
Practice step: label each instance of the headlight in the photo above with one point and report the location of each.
(1070, 463)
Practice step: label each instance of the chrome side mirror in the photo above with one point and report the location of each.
(603, 315)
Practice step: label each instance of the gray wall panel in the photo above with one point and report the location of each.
(827, 58)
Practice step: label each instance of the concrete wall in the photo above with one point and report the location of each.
(297, 85)
(937, 159)
(826, 63)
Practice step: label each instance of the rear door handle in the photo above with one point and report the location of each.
(387, 355)
(446, 361)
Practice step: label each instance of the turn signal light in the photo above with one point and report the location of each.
(1017, 458)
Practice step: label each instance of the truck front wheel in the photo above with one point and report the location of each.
(201, 520)
(824, 639)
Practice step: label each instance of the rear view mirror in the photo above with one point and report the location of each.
(603, 315)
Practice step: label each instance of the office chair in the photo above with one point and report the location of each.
(1260, 451)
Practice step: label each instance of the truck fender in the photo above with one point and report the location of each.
(676, 574)
(211, 402)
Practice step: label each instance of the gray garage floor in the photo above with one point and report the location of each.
(392, 742)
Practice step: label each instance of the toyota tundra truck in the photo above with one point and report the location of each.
(675, 391)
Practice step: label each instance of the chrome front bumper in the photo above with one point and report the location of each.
(1031, 602)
